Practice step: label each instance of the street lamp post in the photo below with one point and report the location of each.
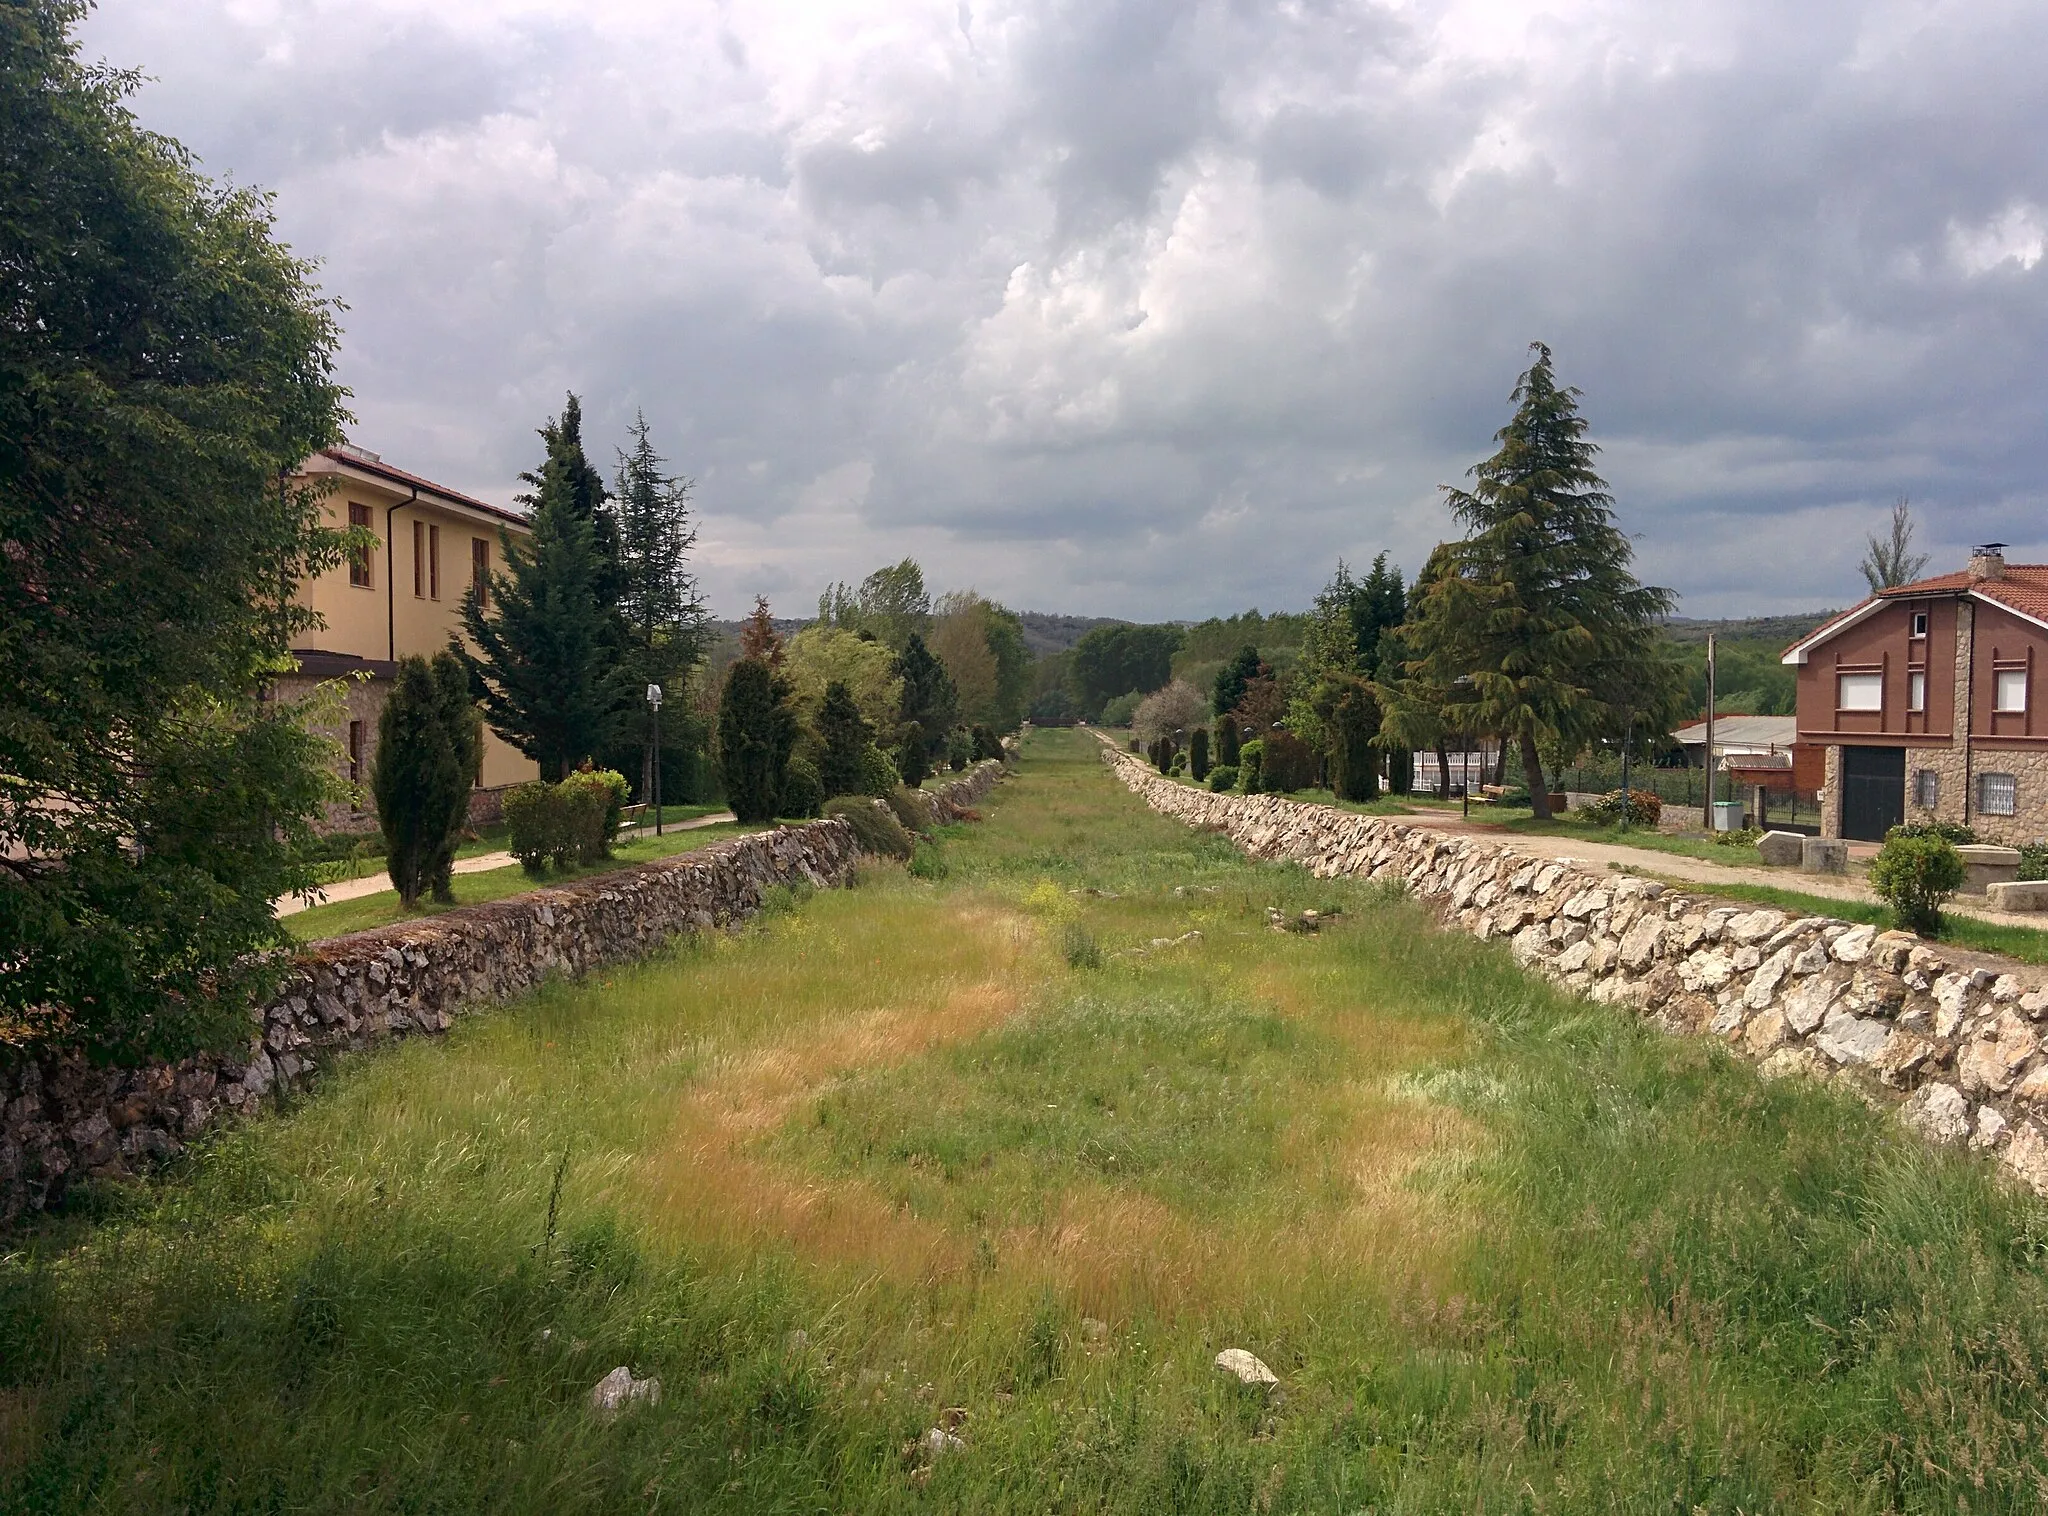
(654, 703)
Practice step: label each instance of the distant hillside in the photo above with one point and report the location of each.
(1783, 630)
(1046, 634)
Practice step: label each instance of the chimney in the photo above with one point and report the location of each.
(1987, 561)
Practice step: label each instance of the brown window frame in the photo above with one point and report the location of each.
(480, 570)
(433, 561)
(362, 561)
(419, 588)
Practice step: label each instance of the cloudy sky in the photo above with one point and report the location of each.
(1157, 307)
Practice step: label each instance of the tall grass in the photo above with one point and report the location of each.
(897, 1157)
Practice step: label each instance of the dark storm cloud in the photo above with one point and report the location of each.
(1157, 308)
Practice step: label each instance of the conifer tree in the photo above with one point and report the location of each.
(661, 614)
(928, 712)
(1198, 754)
(419, 779)
(580, 488)
(1554, 626)
(1227, 739)
(1233, 677)
(844, 735)
(756, 734)
(546, 665)
(465, 727)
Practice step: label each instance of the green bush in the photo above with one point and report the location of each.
(1947, 831)
(1914, 875)
(2034, 861)
(1288, 764)
(927, 862)
(594, 803)
(1118, 712)
(878, 775)
(534, 813)
(1251, 759)
(1741, 836)
(959, 749)
(987, 744)
(1222, 778)
(911, 808)
(802, 793)
(874, 825)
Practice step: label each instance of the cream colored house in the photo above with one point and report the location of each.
(403, 597)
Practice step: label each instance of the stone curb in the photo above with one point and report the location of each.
(1957, 1052)
(61, 1116)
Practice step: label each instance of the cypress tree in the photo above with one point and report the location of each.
(465, 727)
(545, 666)
(1354, 761)
(845, 736)
(756, 733)
(1227, 739)
(418, 779)
(1198, 754)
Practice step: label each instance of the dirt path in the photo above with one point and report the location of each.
(483, 863)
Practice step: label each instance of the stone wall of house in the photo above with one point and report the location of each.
(61, 1117)
(1957, 1049)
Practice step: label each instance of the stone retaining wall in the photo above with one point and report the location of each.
(1958, 1050)
(62, 1117)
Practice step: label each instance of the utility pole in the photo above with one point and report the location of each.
(1710, 732)
(654, 701)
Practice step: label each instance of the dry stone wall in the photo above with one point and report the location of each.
(1957, 1049)
(61, 1117)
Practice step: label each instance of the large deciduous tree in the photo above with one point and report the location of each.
(1558, 632)
(1118, 659)
(891, 605)
(165, 364)
(546, 664)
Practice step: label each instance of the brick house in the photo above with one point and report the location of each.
(402, 597)
(1928, 701)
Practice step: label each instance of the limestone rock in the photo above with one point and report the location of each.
(1853, 946)
(1937, 1112)
(1992, 1060)
(619, 1389)
(1245, 1368)
(1990, 1127)
(1851, 1039)
(2027, 1157)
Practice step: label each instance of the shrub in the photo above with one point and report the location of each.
(2034, 861)
(878, 774)
(927, 862)
(1222, 778)
(875, 827)
(1289, 764)
(1914, 875)
(1741, 836)
(1251, 759)
(959, 749)
(911, 808)
(1638, 807)
(533, 812)
(1947, 831)
(802, 794)
(594, 803)
(986, 744)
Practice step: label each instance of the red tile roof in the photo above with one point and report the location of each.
(382, 470)
(2023, 589)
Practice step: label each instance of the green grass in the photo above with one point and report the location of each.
(2025, 943)
(885, 1159)
(1648, 838)
(340, 917)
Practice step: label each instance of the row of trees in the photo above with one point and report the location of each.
(1530, 631)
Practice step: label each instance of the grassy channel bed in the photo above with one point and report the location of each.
(339, 917)
(970, 1150)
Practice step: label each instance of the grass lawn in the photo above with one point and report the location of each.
(2027, 944)
(1742, 855)
(967, 1150)
(341, 917)
(493, 838)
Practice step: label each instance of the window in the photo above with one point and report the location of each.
(1997, 794)
(1926, 789)
(480, 570)
(434, 562)
(359, 558)
(1859, 692)
(419, 560)
(1919, 623)
(1916, 690)
(2009, 690)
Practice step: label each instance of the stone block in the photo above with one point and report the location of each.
(1781, 849)
(2019, 895)
(1823, 855)
(1985, 865)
